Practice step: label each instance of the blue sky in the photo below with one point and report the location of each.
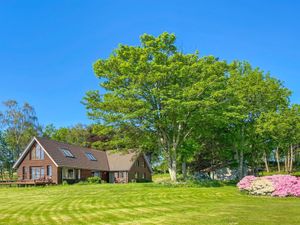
(47, 48)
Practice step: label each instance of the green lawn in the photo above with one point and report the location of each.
(142, 204)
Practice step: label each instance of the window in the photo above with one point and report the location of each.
(49, 171)
(142, 163)
(67, 153)
(37, 153)
(90, 156)
(144, 176)
(68, 173)
(71, 173)
(24, 172)
(37, 173)
(136, 175)
(137, 163)
(96, 174)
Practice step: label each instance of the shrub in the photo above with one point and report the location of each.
(140, 180)
(205, 183)
(261, 186)
(94, 180)
(194, 183)
(245, 183)
(276, 185)
(65, 182)
(82, 182)
(285, 185)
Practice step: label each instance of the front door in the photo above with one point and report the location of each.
(104, 176)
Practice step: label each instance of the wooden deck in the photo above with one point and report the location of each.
(26, 182)
(7, 182)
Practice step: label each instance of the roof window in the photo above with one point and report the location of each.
(67, 153)
(90, 156)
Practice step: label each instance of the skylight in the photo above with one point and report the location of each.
(90, 156)
(67, 153)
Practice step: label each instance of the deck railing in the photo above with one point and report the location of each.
(41, 181)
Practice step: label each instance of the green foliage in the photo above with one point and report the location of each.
(94, 180)
(158, 91)
(164, 180)
(140, 180)
(252, 93)
(194, 183)
(281, 126)
(64, 183)
(18, 124)
(77, 135)
(49, 131)
(5, 157)
(82, 183)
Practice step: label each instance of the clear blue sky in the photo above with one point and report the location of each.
(47, 48)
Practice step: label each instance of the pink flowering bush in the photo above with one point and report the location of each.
(245, 183)
(285, 185)
(276, 185)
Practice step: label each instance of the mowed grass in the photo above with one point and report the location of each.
(142, 204)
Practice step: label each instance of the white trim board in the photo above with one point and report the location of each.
(34, 139)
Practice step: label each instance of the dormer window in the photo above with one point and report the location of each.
(37, 153)
(90, 156)
(67, 153)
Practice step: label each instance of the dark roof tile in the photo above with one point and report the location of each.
(80, 160)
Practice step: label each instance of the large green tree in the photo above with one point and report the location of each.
(253, 93)
(158, 90)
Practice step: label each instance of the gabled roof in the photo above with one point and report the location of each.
(79, 161)
(105, 161)
(120, 161)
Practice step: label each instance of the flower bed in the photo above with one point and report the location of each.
(276, 185)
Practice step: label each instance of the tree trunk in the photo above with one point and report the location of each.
(172, 172)
(288, 161)
(184, 170)
(241, 164)
(266, 162)
(285, 163)
(291, 159)
(277, 159)
(172, 165)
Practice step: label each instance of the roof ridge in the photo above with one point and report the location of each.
(78, 146)
(106, 156)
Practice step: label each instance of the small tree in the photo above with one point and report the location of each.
(282, 128)
(20, 125)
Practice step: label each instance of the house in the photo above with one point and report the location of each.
(46, 160)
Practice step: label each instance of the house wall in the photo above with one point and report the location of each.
(140, 169)
(118, 177)
(28, 162)
(84, 174)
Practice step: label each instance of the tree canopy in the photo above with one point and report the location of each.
(185, 102)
